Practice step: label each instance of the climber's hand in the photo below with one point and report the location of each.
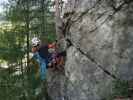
(49, 64)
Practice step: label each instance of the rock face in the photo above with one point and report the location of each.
(56, 85)
(101, 33)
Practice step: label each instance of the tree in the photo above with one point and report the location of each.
(58, 19)
(24, 20)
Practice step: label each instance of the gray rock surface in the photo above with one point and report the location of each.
(56, 85)
(106, 35)
(101, 33)
(85, 80)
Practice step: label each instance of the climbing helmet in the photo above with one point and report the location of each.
(35, 41)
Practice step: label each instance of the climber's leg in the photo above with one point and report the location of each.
(43, 70)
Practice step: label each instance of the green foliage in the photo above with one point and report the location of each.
(38, 14)
(11, 44)
(9, 85)
(51, 37)
(25, 19)
(120, 88)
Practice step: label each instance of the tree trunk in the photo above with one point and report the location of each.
(27, 30)
(58, 20)
(43, 17)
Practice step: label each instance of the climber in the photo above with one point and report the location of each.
(41, 55)
(57, 58)
(53, 50)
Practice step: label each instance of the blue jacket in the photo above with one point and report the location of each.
(42, 65)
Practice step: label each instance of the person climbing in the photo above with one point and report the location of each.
(53, 50)
(57, 58)
(47, 56)
(41, 55)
